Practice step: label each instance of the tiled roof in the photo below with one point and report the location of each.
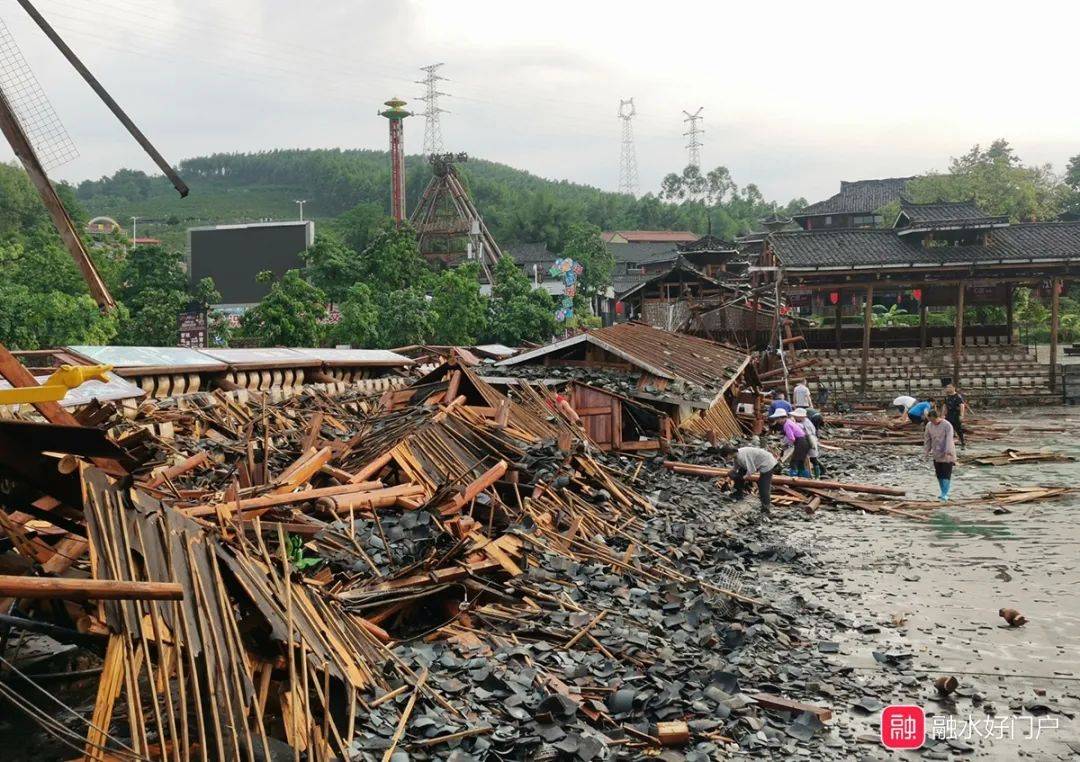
(946, 213)
(859, 197)
(531, 253)
(700, 363)
(707, 243)
(884, 248)
(651, 236)
(636, 253)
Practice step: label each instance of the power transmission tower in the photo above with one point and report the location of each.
(628, 179)
(693, 148)
(432, 129)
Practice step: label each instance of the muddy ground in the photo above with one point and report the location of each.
(933, 589)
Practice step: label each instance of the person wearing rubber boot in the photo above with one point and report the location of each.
(939, 445)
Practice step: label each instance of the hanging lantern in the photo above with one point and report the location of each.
(834, 297)
(917, 293)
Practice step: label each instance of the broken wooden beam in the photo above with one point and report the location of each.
(793, 481)
(88, 589)
(772, 701)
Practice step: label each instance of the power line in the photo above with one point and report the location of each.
(628, 178)
(432, 128)
(693, 148)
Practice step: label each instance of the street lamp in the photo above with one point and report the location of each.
(301, 202)
(134, 220)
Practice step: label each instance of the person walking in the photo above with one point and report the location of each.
(938, 444)
(813, 455)
(752, 460)
(954, 409)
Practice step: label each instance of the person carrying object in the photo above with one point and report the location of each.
(752, 460)
(939, 445)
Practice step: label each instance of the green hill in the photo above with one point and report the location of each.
(516, 205)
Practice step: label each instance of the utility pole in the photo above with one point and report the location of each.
(693, 148)
(433, 143)
(628, 178)
(134, 221)
(301, 202)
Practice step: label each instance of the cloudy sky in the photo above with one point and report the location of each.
(796, 96)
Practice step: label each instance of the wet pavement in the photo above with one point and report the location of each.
(932, 590)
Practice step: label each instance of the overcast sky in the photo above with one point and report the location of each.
(796, 96)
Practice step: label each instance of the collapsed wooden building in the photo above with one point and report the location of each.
(694, 383)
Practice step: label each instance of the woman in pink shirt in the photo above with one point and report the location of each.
(800, 442)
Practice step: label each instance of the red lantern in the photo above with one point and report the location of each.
(834, 297)
(917, 293)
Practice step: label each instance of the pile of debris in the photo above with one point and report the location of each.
(441, 570)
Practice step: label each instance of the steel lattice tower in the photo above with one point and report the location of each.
(628, 179)
(693, 148)
(432, 129)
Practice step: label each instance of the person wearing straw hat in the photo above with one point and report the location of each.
(802, 417)
(799, 441)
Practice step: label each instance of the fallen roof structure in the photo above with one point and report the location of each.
(688, 375)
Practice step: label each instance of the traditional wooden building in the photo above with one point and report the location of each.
(692, 380)
(855, 206)
(948, 254)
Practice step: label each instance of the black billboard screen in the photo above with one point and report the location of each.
(234, 254)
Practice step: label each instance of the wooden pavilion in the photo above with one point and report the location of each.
(944, 254)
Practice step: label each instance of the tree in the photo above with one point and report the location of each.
(332, 266)
(358, 226)
(459, 310)
(405, 319)
(359, 321)
(584, 246)
(518, 311)
(998, 182)
(392, 261)
(1071, 202)
(149, 267)
(153, 318)
(290, 315)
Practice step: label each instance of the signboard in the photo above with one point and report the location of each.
(945, 296)
(193, 329)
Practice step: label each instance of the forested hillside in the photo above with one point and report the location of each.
(517, 206)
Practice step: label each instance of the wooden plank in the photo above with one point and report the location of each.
(772, 701)
(88, 589)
